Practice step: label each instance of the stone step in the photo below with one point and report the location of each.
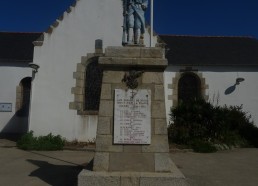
(131, 178)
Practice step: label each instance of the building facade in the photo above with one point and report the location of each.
(64, 92)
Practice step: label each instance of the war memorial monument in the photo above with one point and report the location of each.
(132, 144)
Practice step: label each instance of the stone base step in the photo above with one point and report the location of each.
(91, 178)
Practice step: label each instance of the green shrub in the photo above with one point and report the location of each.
(250, 133)
(26, 141)
(49, 142)
(203, 146)
(200, 120)
(192, 120)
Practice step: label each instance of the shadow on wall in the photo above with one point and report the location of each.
(16, 125)
(56, 175)
(230, 89)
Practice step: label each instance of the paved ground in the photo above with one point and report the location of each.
(32, 168)
(237, 167)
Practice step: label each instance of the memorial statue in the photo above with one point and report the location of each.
(134, 20)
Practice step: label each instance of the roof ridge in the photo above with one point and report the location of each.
(60, 18)
(14, 32)
(251, 37)
(40, 40)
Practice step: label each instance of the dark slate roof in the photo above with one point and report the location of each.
(203, 50)
(17, 46)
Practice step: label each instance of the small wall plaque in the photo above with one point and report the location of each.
(5, 107)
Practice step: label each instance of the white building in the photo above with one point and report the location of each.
(16, 52)
(64, 91)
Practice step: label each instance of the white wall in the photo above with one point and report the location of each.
(10, 77)
(74, 37)
(221, 82)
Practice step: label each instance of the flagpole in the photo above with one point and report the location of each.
(151, 16)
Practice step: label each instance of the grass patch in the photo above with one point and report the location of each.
(48, 143)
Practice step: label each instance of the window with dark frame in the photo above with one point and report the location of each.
(189, 87)
(93, 81)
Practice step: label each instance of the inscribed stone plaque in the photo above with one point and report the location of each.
(132, 118)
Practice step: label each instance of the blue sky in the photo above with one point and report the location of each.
(177, 17)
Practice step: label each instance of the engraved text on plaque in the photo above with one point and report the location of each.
(132, 117)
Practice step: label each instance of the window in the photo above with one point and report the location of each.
(88, 76)
(93, 82)
(189, 87)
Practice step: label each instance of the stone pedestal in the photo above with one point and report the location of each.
(130, 164)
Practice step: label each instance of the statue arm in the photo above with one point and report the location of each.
(124, 7)
(145, 4)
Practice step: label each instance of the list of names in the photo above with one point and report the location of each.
(132, 116)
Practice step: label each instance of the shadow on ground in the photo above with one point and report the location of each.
(11, 137)
(56, 175)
